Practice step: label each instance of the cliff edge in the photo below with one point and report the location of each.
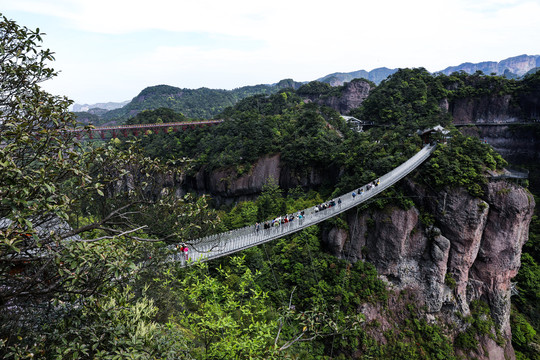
(450, 249)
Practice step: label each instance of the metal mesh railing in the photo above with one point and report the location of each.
(218, 245)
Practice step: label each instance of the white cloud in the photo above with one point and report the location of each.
(225, 44)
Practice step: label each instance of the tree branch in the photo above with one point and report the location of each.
(113, 236)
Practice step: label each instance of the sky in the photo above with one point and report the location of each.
(110, 50)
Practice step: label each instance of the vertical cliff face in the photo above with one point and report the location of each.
(458, 249)
(228, 185)
(484, 109)
(352, 96)
(518, 144)
(509, 123)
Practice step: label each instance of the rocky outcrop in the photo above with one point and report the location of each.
(352, 95)
(484, 109)
(498, 260)
(227, 182)
(454, 250)
(229, 185)
(518, 65)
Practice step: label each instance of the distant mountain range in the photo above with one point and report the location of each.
(375, 75)
(513, 67)
(101, 106)
(205, 103)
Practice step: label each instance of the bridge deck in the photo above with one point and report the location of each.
(146, 126)
(215, 246)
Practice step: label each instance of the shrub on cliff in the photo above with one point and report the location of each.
(524, 337)
(463, 85)
(462, 162)
(410, 98)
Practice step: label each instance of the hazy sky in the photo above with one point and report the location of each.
(111, 50)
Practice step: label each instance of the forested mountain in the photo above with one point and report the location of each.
(206, 103)
(104, 106)
(305, 146)
(513, 67)
(375, 75)
(89, 231)
(200, 103)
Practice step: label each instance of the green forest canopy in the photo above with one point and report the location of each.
(112, 293)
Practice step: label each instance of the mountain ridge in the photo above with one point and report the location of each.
(518, 65)
(183, 100)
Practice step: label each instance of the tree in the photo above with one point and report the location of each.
(271, 202)
(76, 221)
(410, 97)
(36, 158)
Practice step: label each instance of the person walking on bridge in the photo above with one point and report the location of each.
(180, 251)
(186, 256)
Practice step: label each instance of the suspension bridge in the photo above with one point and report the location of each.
(223, 244)
(107, 132)
(497, 123)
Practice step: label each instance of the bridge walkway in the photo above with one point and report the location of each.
(223, 244)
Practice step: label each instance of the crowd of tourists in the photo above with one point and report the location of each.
(289, 218)
(369, 186)
(280, 220)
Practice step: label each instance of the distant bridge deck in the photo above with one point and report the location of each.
(501, 123)
(509, 173)
(125, 130)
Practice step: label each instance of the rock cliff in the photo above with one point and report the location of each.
(511, 124)
(450, 249)
(518, 65)
(228, 185)
(517, 143)
(351, 97)
(494, 109)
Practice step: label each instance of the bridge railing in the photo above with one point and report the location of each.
(145, 126)
(214, 246)
(510, 173)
